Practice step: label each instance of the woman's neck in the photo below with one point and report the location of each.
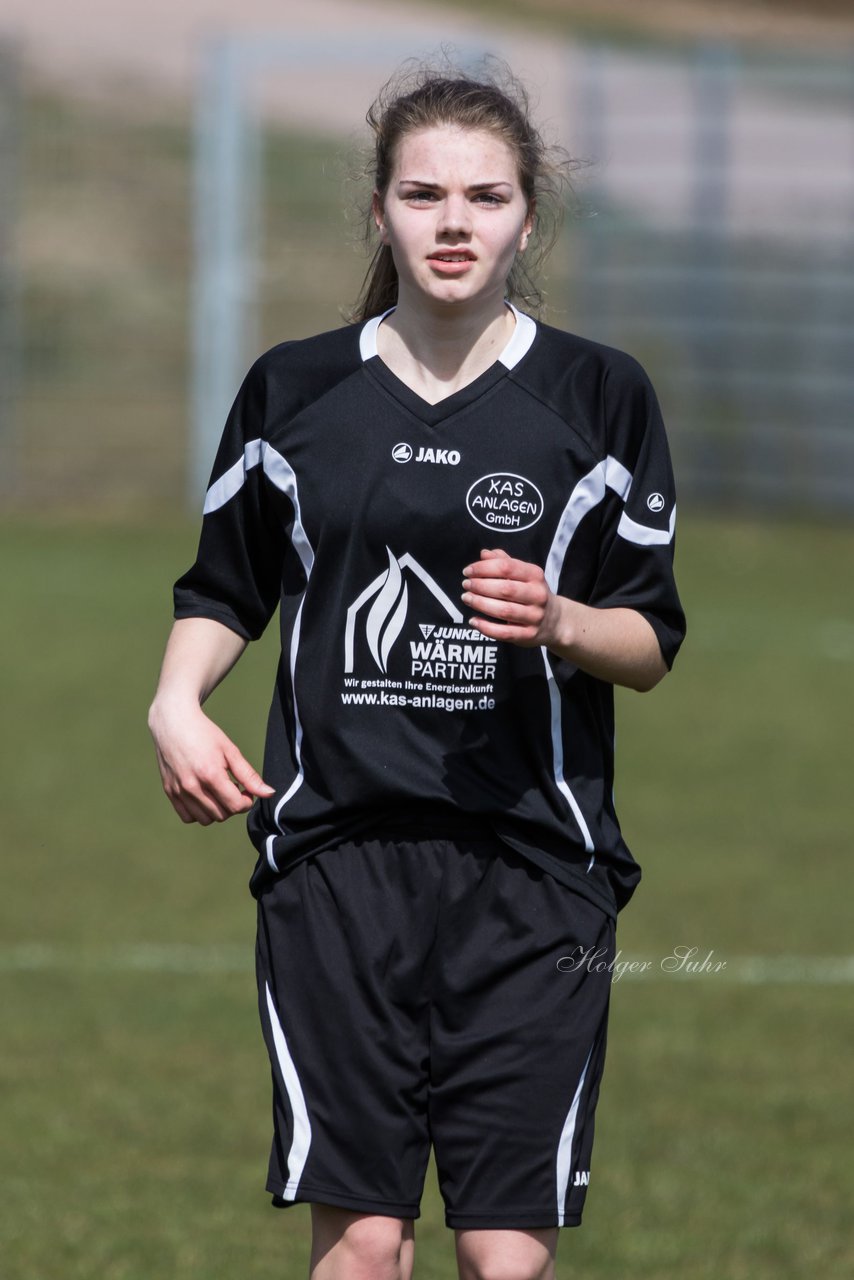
(438, 352)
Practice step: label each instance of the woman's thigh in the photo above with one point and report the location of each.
(517, 1043)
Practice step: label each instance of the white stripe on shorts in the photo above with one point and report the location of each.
(298, 1153)
(564, 1150)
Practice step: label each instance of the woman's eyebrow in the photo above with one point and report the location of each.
(434, 186)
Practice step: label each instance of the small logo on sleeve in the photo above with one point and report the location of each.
(655, 502)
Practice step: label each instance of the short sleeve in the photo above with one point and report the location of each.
(635, 568)
(236, 578)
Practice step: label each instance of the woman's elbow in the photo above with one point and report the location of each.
(651, 675)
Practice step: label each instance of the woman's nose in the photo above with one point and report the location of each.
(455, 218)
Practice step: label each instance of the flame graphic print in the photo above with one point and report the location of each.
(387, 614)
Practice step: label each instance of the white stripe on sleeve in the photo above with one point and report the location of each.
(645, 536)
(229, 484)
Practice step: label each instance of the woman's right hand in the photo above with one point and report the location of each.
(204, 775)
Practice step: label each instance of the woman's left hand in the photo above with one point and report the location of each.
(516, 598)
(617, 645)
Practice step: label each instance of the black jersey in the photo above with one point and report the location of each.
(341, 495)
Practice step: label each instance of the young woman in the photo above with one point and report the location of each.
(466, 518)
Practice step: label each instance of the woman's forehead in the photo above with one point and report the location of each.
(480, 154)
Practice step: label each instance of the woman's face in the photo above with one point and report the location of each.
(454, 215)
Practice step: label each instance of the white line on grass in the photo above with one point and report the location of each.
(192, 958)
(137, 957)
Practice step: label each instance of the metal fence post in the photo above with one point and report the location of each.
(10, 129)
(712, 116)
(591, 285)
(222, 277)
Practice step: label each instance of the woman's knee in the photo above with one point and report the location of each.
(348, 1244)
(506, 1254)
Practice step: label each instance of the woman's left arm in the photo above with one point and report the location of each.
(617, 645)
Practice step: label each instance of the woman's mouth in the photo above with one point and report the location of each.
(450, 263)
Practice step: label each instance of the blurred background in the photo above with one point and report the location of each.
(179, 189)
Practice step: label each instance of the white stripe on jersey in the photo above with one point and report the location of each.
(282, 475)
(564, 1150)
(587, 494)
(368, 336)
(224, 489)
(298, 1153)
(617, 477)
(643, 535)
(520, 342)
(557, 756)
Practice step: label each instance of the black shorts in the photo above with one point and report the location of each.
(411, 994)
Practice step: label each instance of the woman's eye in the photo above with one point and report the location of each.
(488, 197)
(421, 195)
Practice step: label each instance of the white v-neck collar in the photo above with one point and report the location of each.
(524, 332)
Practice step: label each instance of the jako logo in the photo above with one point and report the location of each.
(449, 457)
(655, 502)
(582, 1178)
(505, 501)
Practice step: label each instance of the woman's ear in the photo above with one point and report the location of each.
(527, 228)
(379, 216)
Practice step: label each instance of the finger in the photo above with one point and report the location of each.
(189, 810)
(511, 634)
(493, 553)
(208, 796)
(245, 776)
(181, 809)
(208, 806)
(510, 612)
(506, 567)
(527, 593)
(228, 801)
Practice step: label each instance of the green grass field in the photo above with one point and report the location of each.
(134, 1083)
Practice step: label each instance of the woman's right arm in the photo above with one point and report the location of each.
(204, 775)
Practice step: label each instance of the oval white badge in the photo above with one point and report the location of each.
(505, 501)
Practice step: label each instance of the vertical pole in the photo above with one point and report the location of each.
(221, 275)
(10, 130)
(591, 283)
(712, 115)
